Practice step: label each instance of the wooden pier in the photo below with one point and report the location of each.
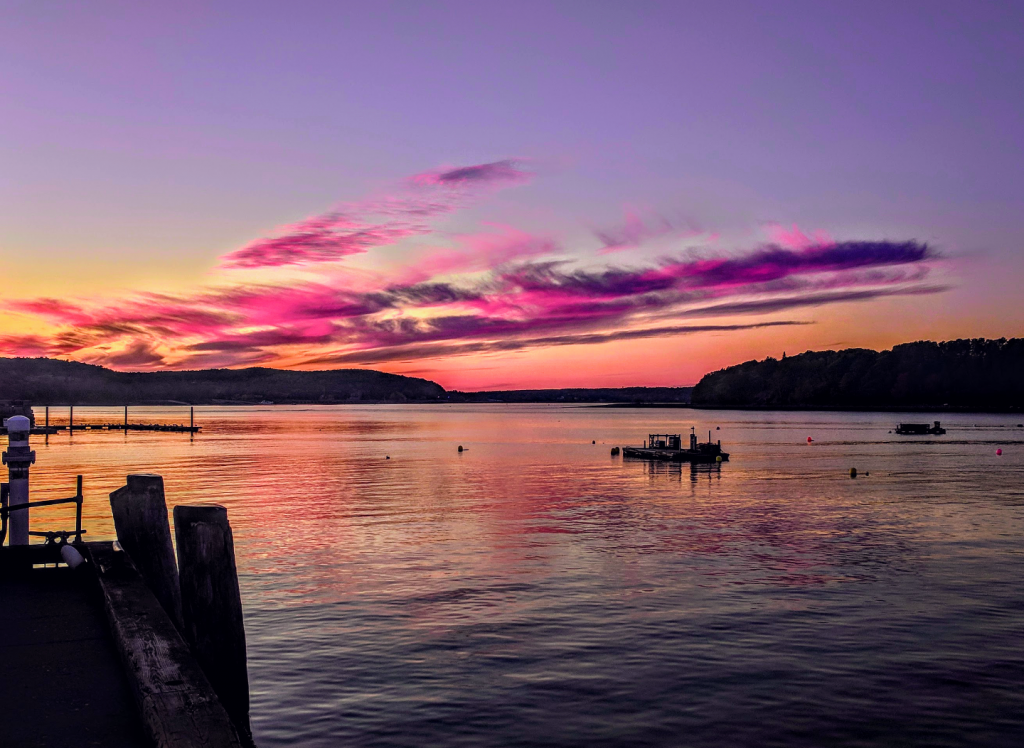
(104, 646)
(59, 670)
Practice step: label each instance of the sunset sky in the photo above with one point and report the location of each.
(506, 195)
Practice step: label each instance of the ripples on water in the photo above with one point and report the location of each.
(534, 590)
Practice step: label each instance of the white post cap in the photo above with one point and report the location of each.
(18, 424)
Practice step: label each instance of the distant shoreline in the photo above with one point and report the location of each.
(820, 408)
(580, 404)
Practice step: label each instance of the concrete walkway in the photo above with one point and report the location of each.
(61, 683)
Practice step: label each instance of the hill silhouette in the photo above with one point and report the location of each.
(44, 381)
(977, 374)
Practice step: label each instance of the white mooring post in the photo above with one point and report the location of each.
(17, 458)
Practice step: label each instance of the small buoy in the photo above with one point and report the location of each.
(460, 447)
(718, 428)
(387, 457)
(809, 440)
(867, 472)
(718, 459)
(593, 441)
(853, 472)
(999, 451)
(615, 451)
(71, 556)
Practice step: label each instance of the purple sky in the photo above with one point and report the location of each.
(147, 150)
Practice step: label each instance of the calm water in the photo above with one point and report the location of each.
(534, 590)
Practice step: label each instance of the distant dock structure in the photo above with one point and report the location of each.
(920, 429)
(669, 448)
(47, 428)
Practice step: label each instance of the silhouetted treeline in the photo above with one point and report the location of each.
(959, 374)
(578, 395)
(43, 381)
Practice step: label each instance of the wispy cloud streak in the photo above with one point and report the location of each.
(496, 172)
(636, 229)
(356, 228)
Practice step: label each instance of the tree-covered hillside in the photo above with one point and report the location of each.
(978, 373)
(43, 381)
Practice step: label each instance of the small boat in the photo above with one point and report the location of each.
(669, 448)
(919, 429)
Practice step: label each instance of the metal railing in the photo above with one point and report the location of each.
(58, 537)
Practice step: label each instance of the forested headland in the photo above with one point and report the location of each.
(45, 381)
(975, 374)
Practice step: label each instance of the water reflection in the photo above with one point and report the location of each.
(532, 590)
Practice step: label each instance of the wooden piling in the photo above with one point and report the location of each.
(126, 418)
(71, 418)
(176, 702)
(140, 519)
(211, 605)
(192, 417)
(47, 416)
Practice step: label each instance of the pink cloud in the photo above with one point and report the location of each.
(381, 221)
(476, 252)
(794, 238)
(636, 229)
(139, 354)
(498, 293)
(325, 238)
(501, 289)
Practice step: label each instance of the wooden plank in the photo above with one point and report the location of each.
(178, 707)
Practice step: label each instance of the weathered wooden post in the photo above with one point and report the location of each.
(192, 417)
(211, 605)
(140, 519)
(126, 418)
(47, 416)
(17, 458)
(71, 418)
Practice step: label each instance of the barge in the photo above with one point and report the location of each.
(669, 448)
(920, 429)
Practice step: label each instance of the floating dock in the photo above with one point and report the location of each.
(47, 428)
(920, 429)
(175, 427)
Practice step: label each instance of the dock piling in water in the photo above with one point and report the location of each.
(140, 519)
(211, 604)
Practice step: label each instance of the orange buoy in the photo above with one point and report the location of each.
(809, 440)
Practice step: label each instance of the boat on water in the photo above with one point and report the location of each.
(919, 429)
(669, 448)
